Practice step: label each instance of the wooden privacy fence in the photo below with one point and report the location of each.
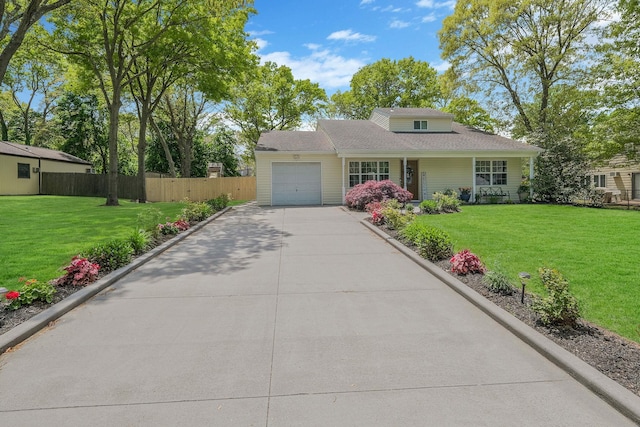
(86, 184)
(158, 189)
(200, 189)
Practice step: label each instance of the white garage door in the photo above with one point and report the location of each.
(296, 184)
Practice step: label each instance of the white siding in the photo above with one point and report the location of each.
(331, 175)
(453, 173)
(63, 167)
(619, 175)
(434, 125)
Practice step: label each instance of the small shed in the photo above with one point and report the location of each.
(21, 167)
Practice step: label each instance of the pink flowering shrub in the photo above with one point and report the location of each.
(465, 262)
(181, 224)
(80, 272)
(376, 191)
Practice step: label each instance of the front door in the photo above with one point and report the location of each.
(412, 177)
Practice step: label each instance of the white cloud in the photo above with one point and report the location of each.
(322, 66)
(262, 43)
(260, 33)
(396, 23)
(441, 67)
(350, 36)
(363, 2)
(429, 18)
(431, 4)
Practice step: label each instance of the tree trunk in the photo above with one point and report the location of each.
(112, 178)
(4, 128)
(142, 149)
(165, 147)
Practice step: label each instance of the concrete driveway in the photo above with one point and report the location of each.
(286, 317)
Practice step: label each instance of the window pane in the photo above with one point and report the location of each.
(499, 166)
(483, 179)
(368, 177)
(383, 168)
(423, 124)
(383, 177)
(483, 166)
(500, 179)
(24, 170)
(369, 167)
(416, 124)
(354, 167)
(354, 180)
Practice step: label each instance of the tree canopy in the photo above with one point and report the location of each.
(272, 99)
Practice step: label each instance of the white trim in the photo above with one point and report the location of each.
(404, 180)
(531, 177)
(473, 179)
(344, 190)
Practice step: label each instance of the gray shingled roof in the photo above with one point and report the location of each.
(356, 135)
(13, 149)
(281, 140)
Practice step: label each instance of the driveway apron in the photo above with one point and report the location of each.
(286, 317)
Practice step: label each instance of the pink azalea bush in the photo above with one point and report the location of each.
(80, 272)
(376, 191)
(465, 262)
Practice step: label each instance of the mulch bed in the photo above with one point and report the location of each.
(613, 355)
(9, 319)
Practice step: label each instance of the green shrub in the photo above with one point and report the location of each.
(140, 241)
(448, 203)
(220, 202)
(195, 211)
(433, 243)
(149, 219)
(111, 255)
(33, 291)
(497, 281)
(559, 307)
(394, 217)
(429, 207)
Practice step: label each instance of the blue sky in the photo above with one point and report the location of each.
(327, 41)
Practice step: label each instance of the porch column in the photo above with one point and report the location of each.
(344, 189)
(473, 179)
(531, 177)
(405, 173)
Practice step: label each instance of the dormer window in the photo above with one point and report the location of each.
(419, 125)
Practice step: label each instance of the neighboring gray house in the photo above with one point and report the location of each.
(421, 149)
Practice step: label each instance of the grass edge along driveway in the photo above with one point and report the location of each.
(40, 234)
(597, 250)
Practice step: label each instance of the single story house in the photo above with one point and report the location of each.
(421, 149)
(21, 167)
(619, 176)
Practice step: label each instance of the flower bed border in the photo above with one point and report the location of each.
(619, 397)
(29, 327)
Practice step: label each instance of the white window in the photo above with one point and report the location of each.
(361, 172)
(491, 172)
(419, 124)
(599, 180)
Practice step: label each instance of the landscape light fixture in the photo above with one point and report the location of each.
(523, 279)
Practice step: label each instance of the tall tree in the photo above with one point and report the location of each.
(190, 49)
(83, 123)
(389, 83)
(33, 72)
(272, 99)
(518, 49)
(184, 110)
(16, 18)
(617, 75)
(106, 38)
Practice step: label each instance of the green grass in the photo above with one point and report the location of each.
(40, 234)
(597, 250)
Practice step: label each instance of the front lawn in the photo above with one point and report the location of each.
(597, 250)
(40, 234)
